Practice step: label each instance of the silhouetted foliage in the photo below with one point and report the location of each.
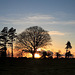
(58, 55)
(44, 54)
(49, 54)
(68, 45)
(11, 35)
(3, 41)
(33, 38)
(68, 53)
(6, 37)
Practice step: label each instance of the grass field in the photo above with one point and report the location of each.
(37, 66)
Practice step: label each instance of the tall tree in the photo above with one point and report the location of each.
(3, 41)
(11, 35)
(33, 38)
(6, 37)
(68, 46)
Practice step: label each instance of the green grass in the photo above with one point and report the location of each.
(37, 66)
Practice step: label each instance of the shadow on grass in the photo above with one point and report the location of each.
(24, 66)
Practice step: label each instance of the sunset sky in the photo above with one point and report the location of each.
(55, 16)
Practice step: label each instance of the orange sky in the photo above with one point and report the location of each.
(58, 44)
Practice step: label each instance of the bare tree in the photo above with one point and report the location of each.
(33, 38)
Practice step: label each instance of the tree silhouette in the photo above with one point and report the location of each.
(68, 46)
(44, 54)
(58, 55)
(3, 41)
(33, 38)
(6, 37)
(11, 35)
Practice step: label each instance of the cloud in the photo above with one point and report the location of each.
(56, 33)
(34, 19)
(28, 20)
(40, 17)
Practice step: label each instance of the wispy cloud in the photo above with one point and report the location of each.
(40, 17)
(56, 33)
(35, 19)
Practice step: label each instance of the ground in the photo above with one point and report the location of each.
(23, 66)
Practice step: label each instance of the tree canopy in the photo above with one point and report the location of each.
(68, 45)
(6, 37)
(33, 38)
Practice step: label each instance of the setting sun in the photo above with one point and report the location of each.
(37, 55)
(39, 49)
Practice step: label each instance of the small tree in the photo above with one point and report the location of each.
(68, 45)
(33, 38)
(44, 54)
(58, 55)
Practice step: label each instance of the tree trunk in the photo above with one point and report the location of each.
(12, 47)
(33, 55)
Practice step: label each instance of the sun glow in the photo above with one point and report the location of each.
(37, 55)
(39, 49)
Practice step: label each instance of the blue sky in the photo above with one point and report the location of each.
(56, 16)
